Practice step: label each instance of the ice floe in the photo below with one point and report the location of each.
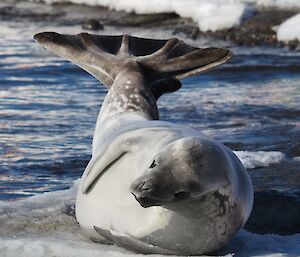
(253, 160)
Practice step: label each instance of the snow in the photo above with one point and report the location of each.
(62, 245)
(212, 15)
(44, 225)
(253, 160)
(245, 244)
(290, 29)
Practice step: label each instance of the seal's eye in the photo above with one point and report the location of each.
(153, 164)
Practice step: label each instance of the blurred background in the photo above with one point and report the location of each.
(48, 106)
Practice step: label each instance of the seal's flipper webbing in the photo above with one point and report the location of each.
(103, 56)
(92, 53)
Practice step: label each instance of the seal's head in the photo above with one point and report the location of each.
(183, 171)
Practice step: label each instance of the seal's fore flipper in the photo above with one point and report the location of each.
(132, 243)
(97, 167)
(103, 56)
(106, 157)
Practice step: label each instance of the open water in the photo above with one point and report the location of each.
(48, 108)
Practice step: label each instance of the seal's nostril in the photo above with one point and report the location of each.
(145, 187)
(141, 186)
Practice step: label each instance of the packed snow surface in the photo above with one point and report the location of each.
(45, 225)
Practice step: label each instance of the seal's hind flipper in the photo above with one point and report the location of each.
(92, 53)
(103, 56)
(132, 243)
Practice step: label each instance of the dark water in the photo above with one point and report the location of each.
(48, 109)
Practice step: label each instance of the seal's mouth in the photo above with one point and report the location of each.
(182, 195)
(146, 201)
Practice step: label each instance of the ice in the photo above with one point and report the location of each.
(250, 244)
(45, 225)
(211, 15)
(289, 29)
(253, 160)
(58, 245)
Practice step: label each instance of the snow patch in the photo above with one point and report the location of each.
(211, 15)
(290, 29)
(296, 159)
(253, 160)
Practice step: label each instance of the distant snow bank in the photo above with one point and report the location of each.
(210, 15)
(290, 29)
(253, 160)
